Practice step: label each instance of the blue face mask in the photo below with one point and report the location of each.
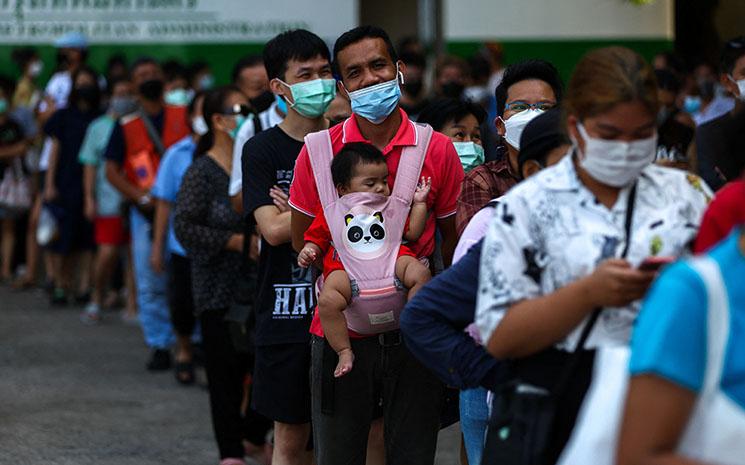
(376, 102)
(177, 97)
(239, 120)
(692, 104)
(281, 104)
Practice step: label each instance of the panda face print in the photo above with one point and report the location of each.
(364, 233)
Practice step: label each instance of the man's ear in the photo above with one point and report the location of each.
(278, 88)
(341, 90)
(499, 124)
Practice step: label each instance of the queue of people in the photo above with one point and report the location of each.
(349, 253)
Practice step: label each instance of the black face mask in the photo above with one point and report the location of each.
(87, 93)
(452, 90)
(413, 88)
(152, 89)
(263, 101)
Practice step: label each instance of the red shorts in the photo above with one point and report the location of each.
(332, 262)
(109, 230)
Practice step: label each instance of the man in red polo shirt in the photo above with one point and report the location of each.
(342, 409)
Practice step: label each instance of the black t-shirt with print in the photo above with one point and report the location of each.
(285, 297)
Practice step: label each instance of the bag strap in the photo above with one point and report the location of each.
(152, 132)
(410, 165)
(717, 319)
(575, 357)
(320, 153)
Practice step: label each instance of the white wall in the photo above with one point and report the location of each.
(559, 19)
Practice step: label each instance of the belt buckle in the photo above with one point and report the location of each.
(390, 338)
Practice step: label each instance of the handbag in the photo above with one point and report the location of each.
(240, 317)
(716, 426)
(524, 428)
(15, 188)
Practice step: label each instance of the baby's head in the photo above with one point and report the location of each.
(360, 167)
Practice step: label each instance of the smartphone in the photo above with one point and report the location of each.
(655, 263)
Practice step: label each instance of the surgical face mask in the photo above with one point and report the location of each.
(281, 104)
(740, 87)
(177, 97)
(151, 90)
(692, 104)
(471, 154)
(615, 163)
(206, 82)
(312, 98)
(3, 105)
(35, 68)
(122, 105)
(239, 120)
(513, 127)
(376, 103)
(199, 125)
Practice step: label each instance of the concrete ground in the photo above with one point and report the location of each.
(79, 395)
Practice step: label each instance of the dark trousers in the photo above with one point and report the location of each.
(226, 373)
(342, 408)
(180, 301)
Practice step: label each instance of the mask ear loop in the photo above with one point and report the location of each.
(284, 96)
(400, 75)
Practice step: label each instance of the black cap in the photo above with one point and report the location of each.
(542, 134)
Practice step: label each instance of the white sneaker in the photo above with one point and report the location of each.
(91, 314)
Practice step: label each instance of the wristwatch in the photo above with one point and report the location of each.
(144, 200)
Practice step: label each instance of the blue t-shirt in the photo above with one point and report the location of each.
(670, 335)
(176, 161)
(108, 199)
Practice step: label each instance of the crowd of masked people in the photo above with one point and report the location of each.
(369, 247)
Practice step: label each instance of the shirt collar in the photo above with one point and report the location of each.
(405, 136)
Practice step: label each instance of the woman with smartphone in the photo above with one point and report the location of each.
(562, 255)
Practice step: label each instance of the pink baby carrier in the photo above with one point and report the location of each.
(367, 230)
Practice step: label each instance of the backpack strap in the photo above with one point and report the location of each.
(410, 166)
(320, 153)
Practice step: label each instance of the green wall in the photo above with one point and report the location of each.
(564, 54)
(221, 57)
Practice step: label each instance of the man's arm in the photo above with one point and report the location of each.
(89, 189)
(14, 150)
(160, 228)
(300, 222)
(449, 238)
(273, 225)
(117, 178)
(50, 189)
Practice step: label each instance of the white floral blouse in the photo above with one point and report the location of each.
(550, 231)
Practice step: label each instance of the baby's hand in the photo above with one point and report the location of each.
(422, 190)
(308, 255)
(346, 360)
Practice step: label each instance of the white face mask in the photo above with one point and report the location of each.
(35, 68)
(615, 163)
(199, 125)
(513, 127)
(740, 87)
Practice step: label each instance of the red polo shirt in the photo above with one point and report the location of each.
(725, 211)
(441, 163)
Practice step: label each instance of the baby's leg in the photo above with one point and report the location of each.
(333, 300)
(412, 274)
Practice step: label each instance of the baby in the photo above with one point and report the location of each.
(359, 167)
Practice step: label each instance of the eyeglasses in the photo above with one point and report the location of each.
(237, 109)
(520, 106)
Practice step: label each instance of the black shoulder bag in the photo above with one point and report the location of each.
(240, 316)
(529, 423)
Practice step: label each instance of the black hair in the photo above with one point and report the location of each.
(441, 111)
(213, 104)
(193, 103)
(117, 59)
(733, 50)
(479, 67)
(298, 44)
(525, 70)
(141, 61)
(413, 59)
(358, 34)
(195, 68)
(7, 85)
(249, 61)
(73, 99)
(351, 155)
(23, 56)
(173, 69)
(667, 80)
(111, 83)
